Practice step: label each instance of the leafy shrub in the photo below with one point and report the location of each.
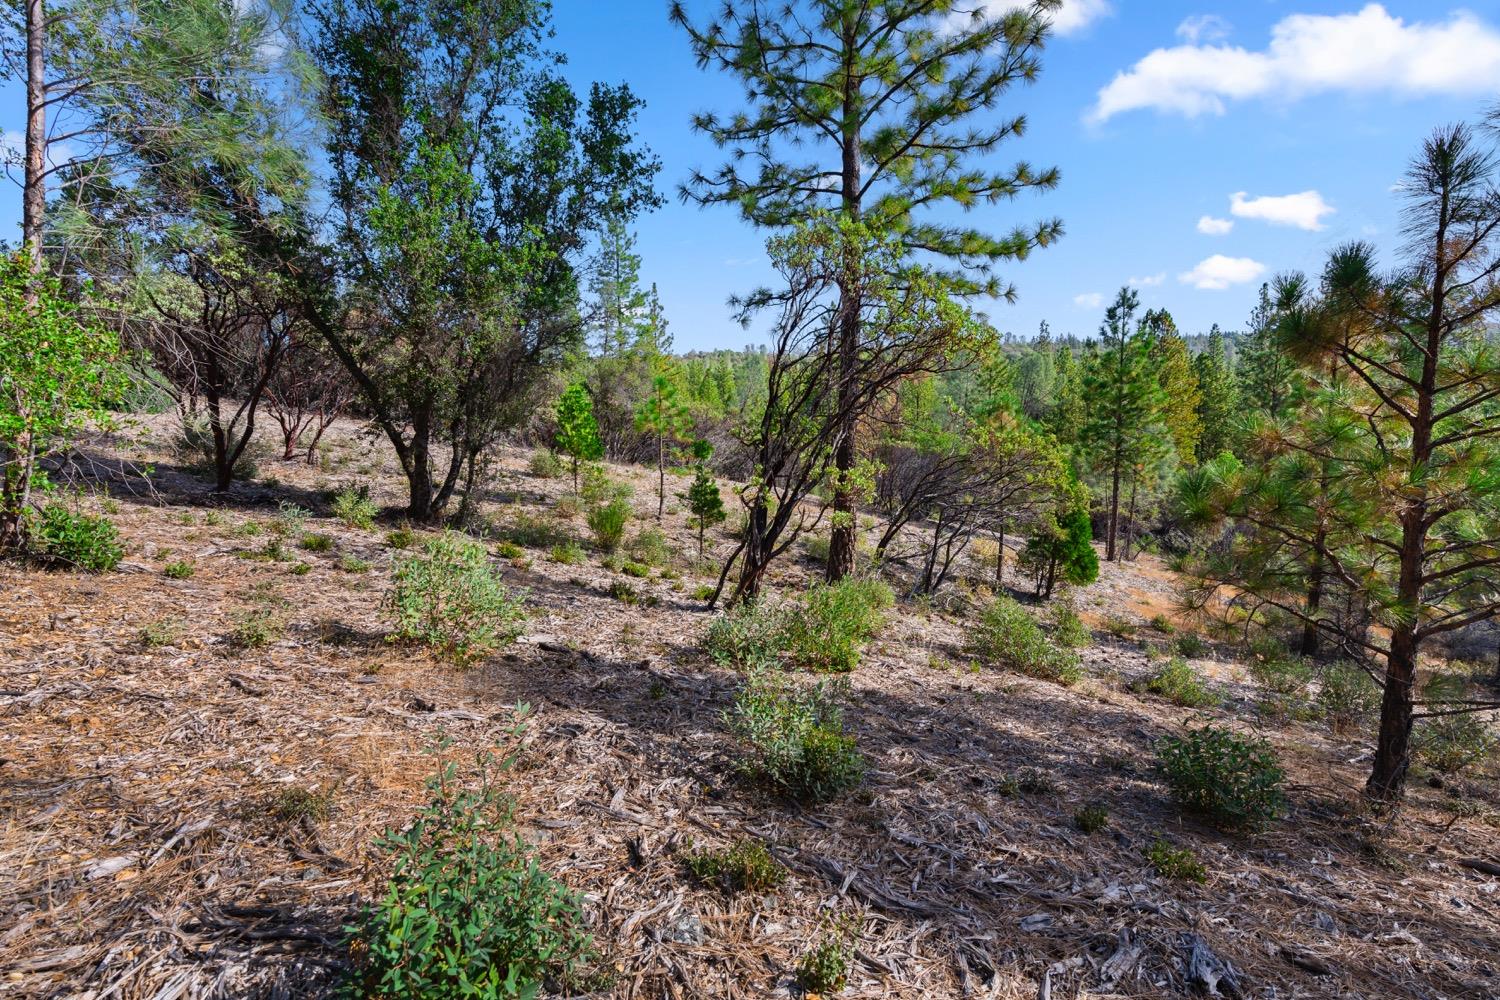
(829, 631)
(567, 553)
(635, 569)
(289, 520)
(608, 522)
(1284, 675)
(353, 506)
(598, 488)
(1347, 695)
(824, 968)
(350, 563)
(162, 632)
(75, 539)
(817, 547)
(1177, 682)
(1091, 818)
(468, 912)
(255, 630)
(1067, 628)
(450, 597)
(1232, 780)
(749, 635)
(533, 532)
(301, 569)
(295, 804)
(1190, 644)
(704, 591)
(507, 549)
(1163, 624)
(1006, 635)
(545, 464)
(745, 866)
(1450, 743)
(312, 541)
(401, 538)
(650, 547)
(1177, 863)
(182, 569)
(793, 738)
(624, 592)
(1120, 628)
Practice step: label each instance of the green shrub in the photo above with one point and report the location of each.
(162, 632)
(650, 547)
(255, 630)
(608, 522)
(1347, 695)
(1091, 818)
(1450, 743)
(533, 532)
(704, 591)
(353, 564)
(1190, 644)
(289, 520)
(401, 538)
(635, 569)
(828, 633)
(545, 464)
(745, 866)
(352, 505)
(182, 569)
(793, 738)
(624, 592)
(301, 569)
(1176, 863)
(1177, 682)
(1067, 628)
(749, 635)
(1120, 628)
(1163, 624)
(1007, 636)
(817, 547)
(75, 539)
(1283, 675)
(568, 553)
(295, 804)
(824, 968)
(449, 597)
(599, 489)
(312, 541)
(468, 912)
(1233, 781)
(507, 549)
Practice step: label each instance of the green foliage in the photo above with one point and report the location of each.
(162, 632)
(623, 592)
(1189, 644)
(350, 563)
(635, 569)
(1007, 636)
(793, 739)
(1453, 743)
(312, 541)
(56, 376)
(1091, 818)
(608, 522)
(705, 503)
(1179, 683)
(824, 968)
(749, 635)
(744, 866)
(467, 912)
(352, 505)
(296, 804)
(69, 537)
(545, 464)
(401, 538)
(1233, 781)
(533, 532)
(1347, 696)
(1175, 863)
(507, 549)
(256, 629)
(1163, 624)
(181, 569)
(449, 597)
(649, 546)
(577, 430)
(1283, 675)
(1067, 628)
(829, 631)
(1062, 549)
(567, 553)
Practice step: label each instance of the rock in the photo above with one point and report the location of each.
(686, 929)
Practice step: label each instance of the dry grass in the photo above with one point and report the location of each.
(141, 857)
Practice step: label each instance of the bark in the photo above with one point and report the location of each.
(34, 188)
(1310, 644)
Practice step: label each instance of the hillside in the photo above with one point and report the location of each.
(190, 810)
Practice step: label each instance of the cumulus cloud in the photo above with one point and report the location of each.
(1218, 272)
(1370, 51)
(1203, 28)
(1148, 281)
(1210, 226)
(1072, 17)
(1089, 300)
(1304, 210)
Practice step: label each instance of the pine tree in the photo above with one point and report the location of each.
(1124, 423)
(904, 101)
(1218, 403)
(1066, 417)
(1181, 396)
(577, 431)
(663, 415)
(1266, 374)
(703, 498)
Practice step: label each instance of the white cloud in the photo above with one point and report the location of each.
(1305, 210)
(1088, 300)
(1218, 272)
(1370, 51)
(1203, 28)
(1210, 226)
(1149, 280)
(1072, 17)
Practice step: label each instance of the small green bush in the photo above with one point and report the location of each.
(1067, 628)
(624, 592)
(568, 553)
(1175, 863)
(793, 738)
(312, 541)
(745, 866)
(295, 804)
(77, 540)
(1091, 818)
(449, 597)
(1163, 624)
(1283, 675)
(301, 569)
(635, 569)
(1233, 781)
(468, 912)
(1189, 644)
(828, 633)
(817, 547)
(1178, 683)
(1007, 636)
(255, 630)
(289, 520)
(749, 635)
(353, 564)
(1450, 743)
(608, 522)
(182, 569)
(649, 547)
(704, 591)
(401, 538)
(352, 505)
(533, 532)
(162, 632)
(1120, 628)
(545, 464)
(1347, 696)
(507, 549)
(824, 968)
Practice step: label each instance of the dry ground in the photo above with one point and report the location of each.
(146, 846)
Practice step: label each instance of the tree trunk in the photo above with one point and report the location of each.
(842, 541)
(661, 476)
(34, 187)
(1314, 602)
(1130, 516)
(1114, 515)
(1393, 748)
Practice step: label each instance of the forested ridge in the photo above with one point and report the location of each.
(393, 608)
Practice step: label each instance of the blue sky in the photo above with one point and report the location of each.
(1158, 114)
